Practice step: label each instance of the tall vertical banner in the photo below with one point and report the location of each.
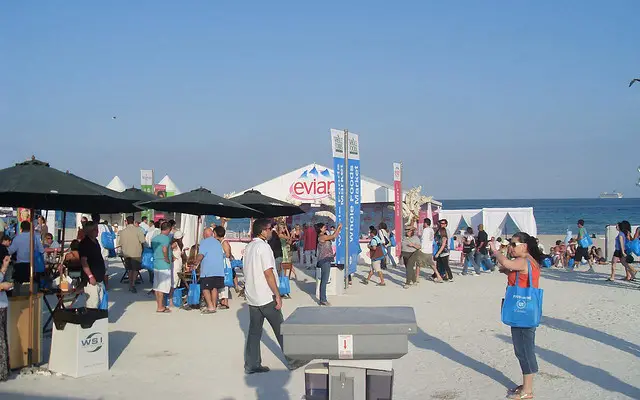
(397, 203)
(160, 191)
(337, 147)
(353, 150)
(146, 185)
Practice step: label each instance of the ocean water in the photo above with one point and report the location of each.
(554, 216)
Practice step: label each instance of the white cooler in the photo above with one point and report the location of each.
(335, 286)
(80, 347)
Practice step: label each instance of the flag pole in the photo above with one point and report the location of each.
(31, 249)
(345, 147)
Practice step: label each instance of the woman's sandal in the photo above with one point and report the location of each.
(515, 390)
(521, 396)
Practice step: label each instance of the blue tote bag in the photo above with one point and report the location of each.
(147, 258)
(228, 274)
(586, 240)
(104, 300)
(283, 284)
(193, 296)
(522, 307)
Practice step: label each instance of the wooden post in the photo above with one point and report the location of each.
(31, 249)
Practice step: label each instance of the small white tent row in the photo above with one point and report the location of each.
(493, 219)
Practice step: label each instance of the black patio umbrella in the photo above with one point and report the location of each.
(137, 195)
(268, 206)
(202, 202)
(34, 184)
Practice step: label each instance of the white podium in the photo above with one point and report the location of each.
(78, 351)
(335, 286)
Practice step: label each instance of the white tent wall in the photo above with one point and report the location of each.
(453, 218)
(188, 225)
(524, 220)
(50, 216)
(493, 219)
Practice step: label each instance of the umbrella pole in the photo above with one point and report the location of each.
(31, 248)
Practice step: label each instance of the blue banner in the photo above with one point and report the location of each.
(354, 213)
(337, 143)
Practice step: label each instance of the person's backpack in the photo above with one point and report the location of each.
(386, 240)
(392, 239)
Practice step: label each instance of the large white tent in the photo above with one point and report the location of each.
(170, 185)
(117, 184)
(493, 219)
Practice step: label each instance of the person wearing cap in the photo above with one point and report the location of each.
(178, 258)
(131, 242)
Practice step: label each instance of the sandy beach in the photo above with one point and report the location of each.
(588, 344)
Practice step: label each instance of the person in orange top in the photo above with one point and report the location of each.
(524, 251)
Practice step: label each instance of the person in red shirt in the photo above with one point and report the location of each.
(310, 244)
(524, 251)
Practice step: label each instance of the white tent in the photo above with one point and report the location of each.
(170, 185)
(117, 184)
(493, 219)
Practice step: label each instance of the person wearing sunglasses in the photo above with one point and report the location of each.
(524, 251)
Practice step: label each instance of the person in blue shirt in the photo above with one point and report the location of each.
(162, 261)
(211, 261)
(20, 246)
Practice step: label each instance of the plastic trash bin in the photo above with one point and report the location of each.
(80, 342)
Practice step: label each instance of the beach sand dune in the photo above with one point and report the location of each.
(588, 345)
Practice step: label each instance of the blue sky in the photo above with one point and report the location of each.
(478, 99)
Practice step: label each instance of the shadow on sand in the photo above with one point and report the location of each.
(593, 334)
(584, 372)
(269, 385)
(118, 342)
(425, 341)
(598, 279)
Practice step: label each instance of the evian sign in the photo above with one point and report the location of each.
(312, 185)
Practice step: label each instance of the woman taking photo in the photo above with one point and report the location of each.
(525, 253)
(324, 250)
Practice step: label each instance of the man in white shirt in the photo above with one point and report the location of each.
(144, 225)
(427, 247)
(263, 297)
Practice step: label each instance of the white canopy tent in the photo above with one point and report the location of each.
(170, 185)
(117, 184)
(493, 219)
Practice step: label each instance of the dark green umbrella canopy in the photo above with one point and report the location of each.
(34, 184)
(268, 206)
(202, 202)
(137, 195)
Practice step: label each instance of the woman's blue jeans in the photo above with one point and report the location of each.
(325, 271)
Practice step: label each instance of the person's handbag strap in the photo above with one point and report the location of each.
(194, 277)
(530, 280)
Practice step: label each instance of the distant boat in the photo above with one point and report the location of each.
(612, 195)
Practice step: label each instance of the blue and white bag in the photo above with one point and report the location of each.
(193, 296)
(586, 240)
(522, 307)
(284, 285)
(228, 273)
(104, 299)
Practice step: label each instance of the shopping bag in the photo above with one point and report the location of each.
(147, 258)
(193, 296)
(547, 262)
(283, 284)
(228, 274)
(104, 298)
(633, 246)
(522, 307)
(585, 241)
(571, 263)
(177, 297)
